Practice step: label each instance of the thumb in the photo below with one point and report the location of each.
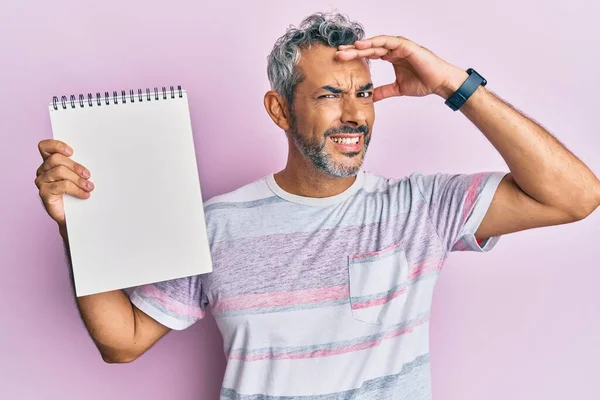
(385, 91)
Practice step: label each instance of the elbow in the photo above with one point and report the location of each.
(596, 202)
(118, 357)
(579, 214)
(118, 360)
(587, 205)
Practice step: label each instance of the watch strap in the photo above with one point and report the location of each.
(465, 91)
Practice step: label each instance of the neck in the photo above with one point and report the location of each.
(302, 178)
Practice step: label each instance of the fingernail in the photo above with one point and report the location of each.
(90, 185)
(86, 173)
(68, 150)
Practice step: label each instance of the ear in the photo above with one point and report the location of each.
(277, 108)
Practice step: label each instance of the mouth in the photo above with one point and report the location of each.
(347, 142)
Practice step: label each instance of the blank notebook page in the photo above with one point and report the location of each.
(144, 221)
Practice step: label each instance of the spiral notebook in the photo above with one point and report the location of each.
(144, 221)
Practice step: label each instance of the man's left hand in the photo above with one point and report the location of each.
(419, 72)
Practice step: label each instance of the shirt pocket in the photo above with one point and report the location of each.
(378, 283)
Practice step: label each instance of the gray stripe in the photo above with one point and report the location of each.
(275, 309)
(243, 204)
(278, 351)
(185, 290)
(412, 382)
(382, 256)
(266, 214)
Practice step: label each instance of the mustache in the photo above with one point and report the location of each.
(347, 129)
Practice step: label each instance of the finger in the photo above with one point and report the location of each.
(373, 53)
(48, 190)
(345, 46)
(378, 57)
(62, 173)
(385, 91)
(57, 159)
(50, 146)
(399, 44)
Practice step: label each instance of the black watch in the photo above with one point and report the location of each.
(466, 90)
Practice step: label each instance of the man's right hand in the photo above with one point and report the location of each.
(59, 175)
(121, 331)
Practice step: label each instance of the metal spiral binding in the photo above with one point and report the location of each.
(64, 102)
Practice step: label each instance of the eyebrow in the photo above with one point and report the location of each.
(338, 90)
(365, 87)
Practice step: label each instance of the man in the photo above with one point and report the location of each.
(324, 273)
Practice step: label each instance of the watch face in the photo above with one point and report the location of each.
(472, 71)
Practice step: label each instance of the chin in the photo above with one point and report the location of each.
(345, 173)
(344, 170)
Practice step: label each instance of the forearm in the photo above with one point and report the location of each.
(541, 166)
(109, 318)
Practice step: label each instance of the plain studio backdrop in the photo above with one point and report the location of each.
(521, 322)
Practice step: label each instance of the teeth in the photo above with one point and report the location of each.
(346, 140)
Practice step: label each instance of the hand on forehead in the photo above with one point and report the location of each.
(320, 67)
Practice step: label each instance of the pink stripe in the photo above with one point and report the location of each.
(378, 302)
(460, 246)
(172, 305)
(332, 352)
(282, 298)
(308, 296)
(376, 253)
(472, 192)
(432, 264)
(424, 267)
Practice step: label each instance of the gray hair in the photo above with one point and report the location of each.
(324, 28)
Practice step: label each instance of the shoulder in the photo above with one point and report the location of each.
(376, 183)
(250, 192)
(418, 187)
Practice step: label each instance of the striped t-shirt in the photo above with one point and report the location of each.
(327, 298)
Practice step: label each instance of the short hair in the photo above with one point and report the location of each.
(331, 29)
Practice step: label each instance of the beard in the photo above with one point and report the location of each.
(315, 150)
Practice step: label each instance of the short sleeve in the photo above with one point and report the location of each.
(176, 303)
(457, 204)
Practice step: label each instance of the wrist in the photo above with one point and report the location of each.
(454, 80)
(62, 229)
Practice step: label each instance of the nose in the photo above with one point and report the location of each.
(353, 113)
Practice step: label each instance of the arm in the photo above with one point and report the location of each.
(120, 331)
(547, 184)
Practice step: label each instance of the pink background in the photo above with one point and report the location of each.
(521, 322)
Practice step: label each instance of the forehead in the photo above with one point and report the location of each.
(319, 67)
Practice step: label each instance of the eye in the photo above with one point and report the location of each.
(328, 96)
(365, 94)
